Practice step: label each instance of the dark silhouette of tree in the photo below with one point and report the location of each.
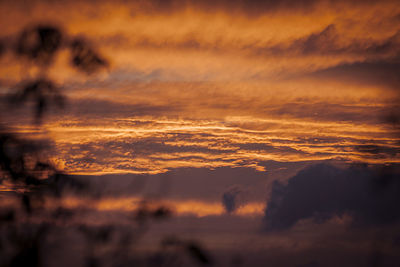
(39, 43)
(32, 181)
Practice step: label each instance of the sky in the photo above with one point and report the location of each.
(262, 124)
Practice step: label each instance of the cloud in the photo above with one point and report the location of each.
(334, 41)
(384, 73)
(200, 184)
(323, 191)
(249, 7)
(324, 40)
(213, 45)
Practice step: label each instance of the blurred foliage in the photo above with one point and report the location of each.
(30, 178)
(39, 43)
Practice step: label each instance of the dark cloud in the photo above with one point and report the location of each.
(390, 45)
(187, 183)
(321, 41)
(251, 7)
(93, 108)
(382, 73)
(241, 7)
(109, 109)
(378, 151)
(329, 41)
(254, 6)
(325, 111)
(322, 191)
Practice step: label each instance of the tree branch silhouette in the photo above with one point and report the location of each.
(32, 181)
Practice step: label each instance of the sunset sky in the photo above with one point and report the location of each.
(206, 105)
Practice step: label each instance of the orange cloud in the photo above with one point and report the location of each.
(181, 208)
(211, 85)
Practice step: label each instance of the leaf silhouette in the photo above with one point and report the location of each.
(85, 58)
(39, 43)
(43, 92)
(198, 253)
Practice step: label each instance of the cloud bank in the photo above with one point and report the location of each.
(323, 191)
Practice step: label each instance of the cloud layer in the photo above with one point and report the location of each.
(322, 192)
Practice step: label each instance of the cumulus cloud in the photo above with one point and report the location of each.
(322, 191)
